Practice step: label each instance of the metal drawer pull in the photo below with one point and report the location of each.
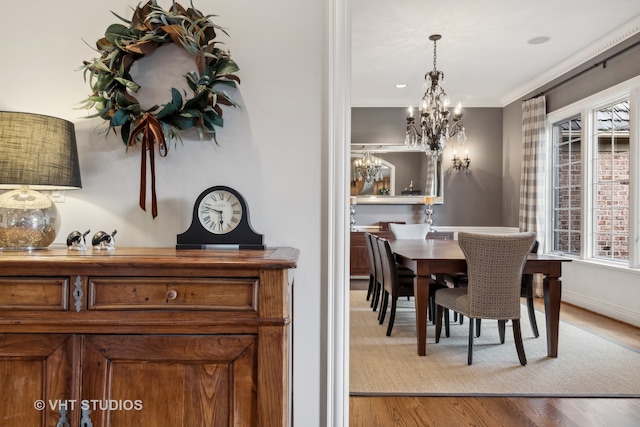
(171, 294)
(63, 421)
(85, 421)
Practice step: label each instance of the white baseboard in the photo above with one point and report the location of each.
(603, 308)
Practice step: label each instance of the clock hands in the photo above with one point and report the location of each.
(219, 212)
(209, 208)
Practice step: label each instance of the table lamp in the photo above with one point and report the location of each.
(36, 153)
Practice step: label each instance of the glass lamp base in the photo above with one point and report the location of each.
(28, 220)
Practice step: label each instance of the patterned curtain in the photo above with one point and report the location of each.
(531, 217)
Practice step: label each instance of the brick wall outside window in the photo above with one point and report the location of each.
(612, 211)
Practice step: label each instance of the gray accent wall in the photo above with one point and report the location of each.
(470, 199)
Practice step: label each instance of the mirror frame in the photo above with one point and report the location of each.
(395, 200)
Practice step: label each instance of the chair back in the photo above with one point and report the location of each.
(368, 240)
(384, 225)
(390, 279)
(409, 231)
(494, 268)
(376, 259)
(527, 279)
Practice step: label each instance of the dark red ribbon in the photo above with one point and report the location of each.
(148, 131)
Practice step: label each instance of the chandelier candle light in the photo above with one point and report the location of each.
(436, 123)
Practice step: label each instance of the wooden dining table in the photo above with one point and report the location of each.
(437, 257)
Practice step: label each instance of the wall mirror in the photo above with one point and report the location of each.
(401, 175)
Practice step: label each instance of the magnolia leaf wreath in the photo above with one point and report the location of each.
(113, 88)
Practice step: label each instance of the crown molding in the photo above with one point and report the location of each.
(607, 42)
(466, 103)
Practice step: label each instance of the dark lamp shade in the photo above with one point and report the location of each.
(38, 151)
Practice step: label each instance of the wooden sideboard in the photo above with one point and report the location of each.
(359, 264)
(146, 337)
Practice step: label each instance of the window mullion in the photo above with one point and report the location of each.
(588, 161)
(634, 178)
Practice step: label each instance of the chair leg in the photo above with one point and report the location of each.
(376, 296)
(431, 310)
(386, 306)
(478, 321)
(517, 337)
(379, 301)
(532, 316)
(501, 328)
(383, 306)
(470, 351)
(392, 315)
(370, 287)
(439, 314)
(457, 317)
(446, 323)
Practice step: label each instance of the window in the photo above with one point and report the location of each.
(590, 198)
(567, 187)
(610, 183)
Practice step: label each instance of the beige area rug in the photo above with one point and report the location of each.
(587, 365)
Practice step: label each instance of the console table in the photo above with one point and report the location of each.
(146, 337)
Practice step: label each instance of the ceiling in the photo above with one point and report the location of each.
(484, 51)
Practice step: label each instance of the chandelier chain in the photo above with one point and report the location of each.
(434, 56)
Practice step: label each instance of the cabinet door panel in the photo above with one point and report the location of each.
(35, 368)
(170, 380)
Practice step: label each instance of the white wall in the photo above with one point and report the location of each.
(604, 289)
(270, 152)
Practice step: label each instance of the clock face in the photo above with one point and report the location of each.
(220, 212)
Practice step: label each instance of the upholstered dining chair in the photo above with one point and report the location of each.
(395, 285)
(409, 231)
(526, 291)
(494, 270)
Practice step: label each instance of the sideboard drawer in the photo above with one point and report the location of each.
(173, 293)
(34, 293)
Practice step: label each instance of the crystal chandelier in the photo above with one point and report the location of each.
(436, 123)
(368, 167)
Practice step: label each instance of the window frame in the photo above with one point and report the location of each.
(584, 108)
(555, 167)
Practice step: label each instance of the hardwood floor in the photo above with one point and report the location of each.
(508, 411)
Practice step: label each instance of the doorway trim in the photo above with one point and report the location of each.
(338, 127)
